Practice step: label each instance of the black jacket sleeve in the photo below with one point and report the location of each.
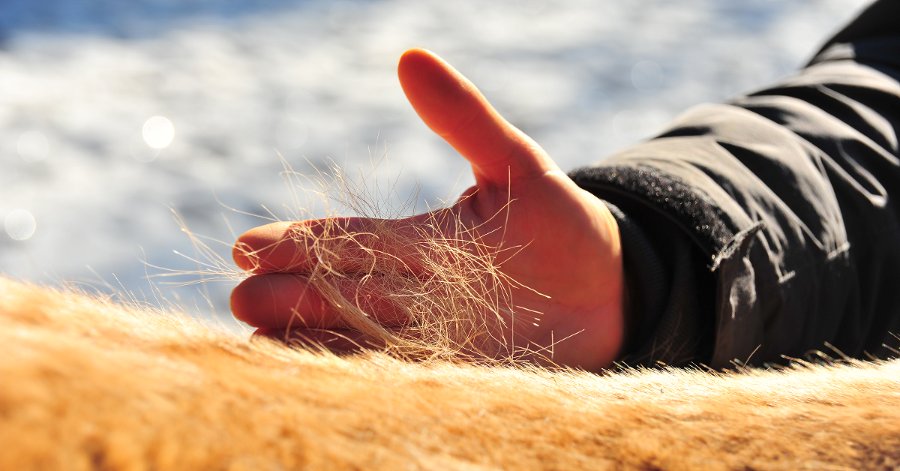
(773, 218)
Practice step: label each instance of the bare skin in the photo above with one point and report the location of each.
(571, 262)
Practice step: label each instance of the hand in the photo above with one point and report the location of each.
(567, 266)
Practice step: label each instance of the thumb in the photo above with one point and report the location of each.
(454, 109)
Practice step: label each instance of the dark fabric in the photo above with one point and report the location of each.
(780, 209)
(661, 280)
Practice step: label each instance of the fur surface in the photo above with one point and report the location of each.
(88, 384)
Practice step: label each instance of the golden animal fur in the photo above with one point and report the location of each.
(89, 384)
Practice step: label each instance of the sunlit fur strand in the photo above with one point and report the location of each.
(461, 308)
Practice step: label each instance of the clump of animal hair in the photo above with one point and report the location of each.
(458, 307)
(455, 310)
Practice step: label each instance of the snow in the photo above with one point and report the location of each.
(114, 114)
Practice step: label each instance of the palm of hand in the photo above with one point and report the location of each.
(567, 257)
(567, 260)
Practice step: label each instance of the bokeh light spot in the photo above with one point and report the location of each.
(158, 132)
(32, 146)
(19, 224)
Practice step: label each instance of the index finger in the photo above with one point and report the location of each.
(344, 245)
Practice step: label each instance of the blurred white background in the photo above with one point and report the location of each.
(114, 113)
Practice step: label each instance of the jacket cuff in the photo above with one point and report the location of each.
(669, 293)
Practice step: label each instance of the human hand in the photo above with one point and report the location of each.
(564, 272)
